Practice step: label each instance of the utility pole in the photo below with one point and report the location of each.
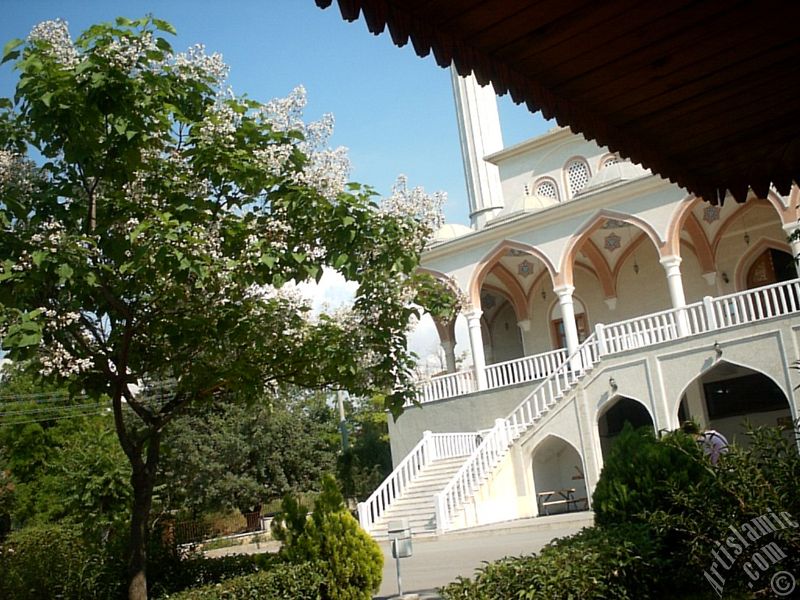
(342, 421)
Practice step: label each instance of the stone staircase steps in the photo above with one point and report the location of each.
(417, 503)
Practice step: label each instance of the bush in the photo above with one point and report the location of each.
(351, 561)
(615, 562)
(641, 472)
(281, 582)
(54, 561)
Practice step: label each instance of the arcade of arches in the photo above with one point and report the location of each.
(523, 305)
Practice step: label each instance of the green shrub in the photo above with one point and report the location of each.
(281, 582)
(616, 562)
(54, 561)
(351, 561)
(641, 472)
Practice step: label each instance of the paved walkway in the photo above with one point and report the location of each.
(439, 560)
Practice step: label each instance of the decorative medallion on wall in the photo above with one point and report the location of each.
(711, 214)
(612, 242)
(615, 224)
(487, 301)
(525, 268)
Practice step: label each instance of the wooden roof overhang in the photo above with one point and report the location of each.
(705, 93)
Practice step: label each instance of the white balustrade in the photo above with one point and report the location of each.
(741, 308)
(431, 447)
(527, 368)
(483, 460)
(446, 386)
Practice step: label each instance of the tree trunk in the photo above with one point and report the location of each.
(142, 480)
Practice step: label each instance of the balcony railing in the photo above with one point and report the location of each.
(740, 308)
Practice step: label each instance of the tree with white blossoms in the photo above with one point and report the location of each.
(158, 232)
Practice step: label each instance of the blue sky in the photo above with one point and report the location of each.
(393, 110)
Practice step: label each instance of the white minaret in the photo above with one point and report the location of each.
(479, 131)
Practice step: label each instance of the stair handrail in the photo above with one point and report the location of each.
(428, 449)
(482, 461)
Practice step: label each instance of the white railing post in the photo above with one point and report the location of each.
(362, 515)
(441, 514)
(708, 308)
(600, 334)
(430, 446)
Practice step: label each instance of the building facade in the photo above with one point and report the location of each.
(595, 294)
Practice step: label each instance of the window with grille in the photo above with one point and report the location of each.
(547, 189)
(577, 176)
(611, 160)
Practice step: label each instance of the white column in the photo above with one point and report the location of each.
(476, 344)
(795, 244)
(564, 293)
(672, 265)
(449, 349)
(480, 135)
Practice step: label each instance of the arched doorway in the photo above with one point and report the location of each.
(558, 477)
(727, 395)
(771, 266)
(621, 411)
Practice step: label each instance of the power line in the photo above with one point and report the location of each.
(58, 418)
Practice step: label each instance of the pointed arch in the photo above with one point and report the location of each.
(702, 247)
(493, 256)
(591, 225)
(554, 436)
(601, 269)
(449, 281)
(626, 253)
(742, 210)
(748, 258)
(515, 292)
(677, 221)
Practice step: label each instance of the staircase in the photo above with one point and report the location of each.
(417, 503)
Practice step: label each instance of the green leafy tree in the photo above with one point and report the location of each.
(60, 458)
(240, 456)
(368, 459)
(153, 240)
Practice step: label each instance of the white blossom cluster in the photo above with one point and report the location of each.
(55, 34)
(196, 63)
(416, 204)
(16, 172)
(289, 295)
(220, 124)
(127, 52)
(327, 170)
(56, 360)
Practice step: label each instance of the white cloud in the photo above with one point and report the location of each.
(332, 291)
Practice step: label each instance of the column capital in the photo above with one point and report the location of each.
(524, 325)
(564, 290)
(791, 227)
(472, 314)
(670, 261)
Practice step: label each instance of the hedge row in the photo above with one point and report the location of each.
(281, 582)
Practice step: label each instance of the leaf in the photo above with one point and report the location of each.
(165, 26)
(65, 272)
(9, 50)
(22, 335)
